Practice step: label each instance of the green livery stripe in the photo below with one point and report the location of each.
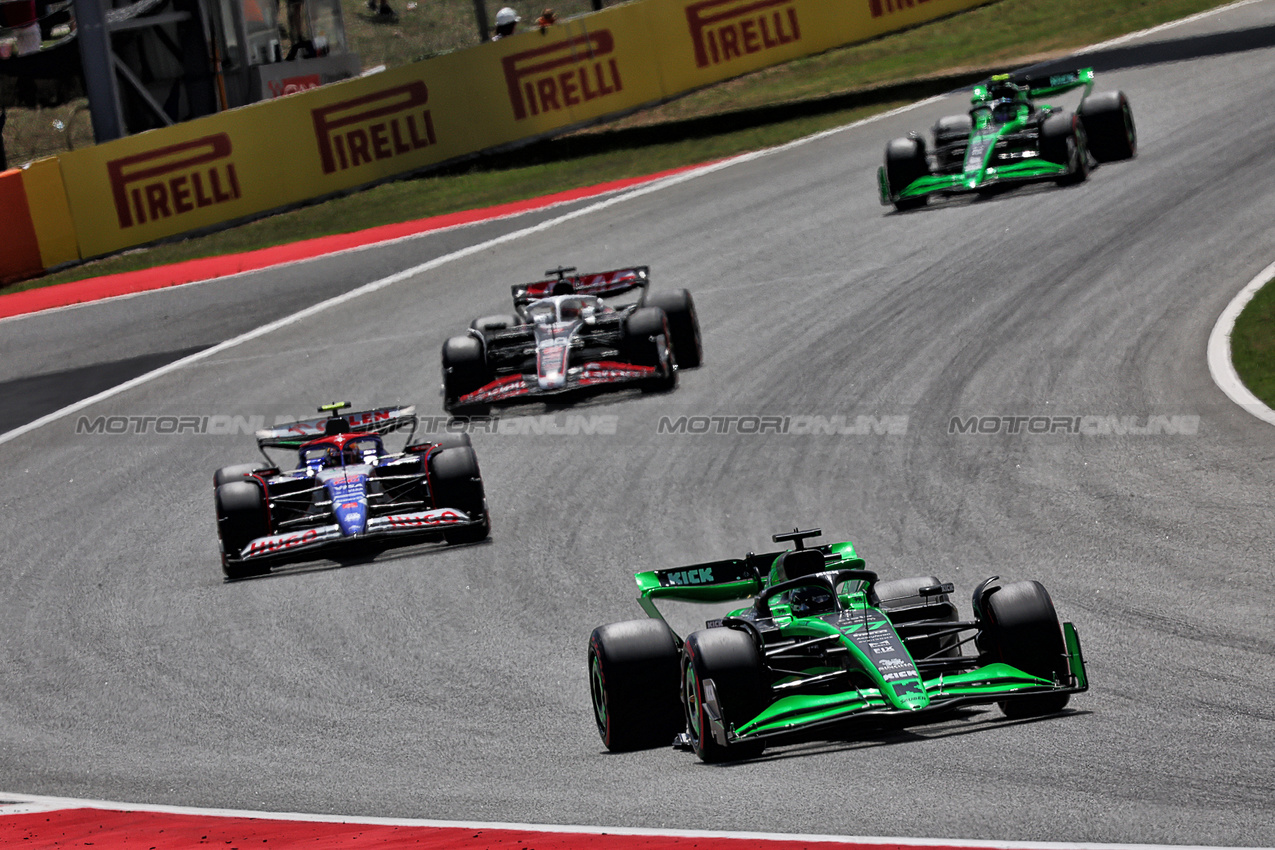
(798, 710)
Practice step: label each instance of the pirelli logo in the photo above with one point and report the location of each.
(562, 75)
(722, 30)
(376, 126)
(173, 180)
(879, 8)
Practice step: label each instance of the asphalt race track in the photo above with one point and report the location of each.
(451, 684)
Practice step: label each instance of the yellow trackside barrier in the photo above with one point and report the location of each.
(706, 41)
(21, 255)
(331, 139)
(50, 213)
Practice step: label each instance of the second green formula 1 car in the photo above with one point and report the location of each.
(1009, 138)
(824, 643)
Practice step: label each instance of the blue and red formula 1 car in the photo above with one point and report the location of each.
(564, 339)
(346, 488)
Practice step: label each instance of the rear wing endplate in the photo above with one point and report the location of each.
(381, 420)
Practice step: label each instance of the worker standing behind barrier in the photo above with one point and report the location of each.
(506, 20)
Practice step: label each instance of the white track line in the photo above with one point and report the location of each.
(23, 803)
(1219, 351)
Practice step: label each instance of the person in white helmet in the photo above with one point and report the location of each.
(506, 20)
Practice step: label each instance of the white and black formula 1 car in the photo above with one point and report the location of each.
(345, 488)
(564, 338)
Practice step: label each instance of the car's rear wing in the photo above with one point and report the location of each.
(1037, 85)
(712, 581)
(602, 284)
(727, 580)
(1052, 84)
(380, 420)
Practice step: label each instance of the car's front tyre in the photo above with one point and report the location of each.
(730, 659)
(683, 323)
(1020, 627)
(457, 483)
(1063, 141)
(633, 684)
(464, 369)
(241, 518)
(905, 162)
(644, 331)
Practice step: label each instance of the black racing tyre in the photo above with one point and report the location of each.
(233, 473)
(683, 323)
(241, 518)
(901, 601)
(464, 368)
(633, 681)
(904, 162)
(1108, 120)
(1062, 141)
(732, 661)
(642, 330)
(1020, 628)
(495, 323)
(457, 483)
(952, 128)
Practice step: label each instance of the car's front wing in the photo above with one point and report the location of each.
(1026, 171)
(414, 522)
(522, 387)
(980, 686)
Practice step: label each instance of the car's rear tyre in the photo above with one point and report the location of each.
(1020, 627)
(241, 518)
(952, 128)
(1062, 141)
(495, 323)
(905, 162)
(457, 483)
(238, 472)
(464, 368)
(683, 323)
(900, 600)
(1108, 120)
(633, 681)
(732, 661)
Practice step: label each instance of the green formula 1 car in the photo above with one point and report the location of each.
(1009, 138)
(823, 643)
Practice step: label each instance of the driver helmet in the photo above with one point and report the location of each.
(333, 457)
(811, 600)
(352, 454)
(569, 310)
(1005, 110)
